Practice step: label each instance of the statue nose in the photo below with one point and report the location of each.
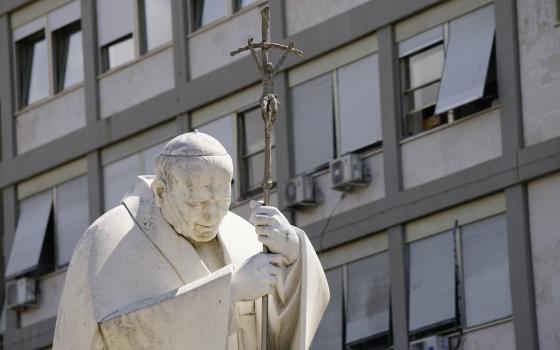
(210, 214)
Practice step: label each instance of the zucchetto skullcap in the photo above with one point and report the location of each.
(194, 144)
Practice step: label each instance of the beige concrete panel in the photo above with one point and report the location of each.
(497, 337)
(301, 15)
(51, 120)
(34, 10)
(338, 58)
(51, 178)
(138, 142)
(540, 66)
(360, 196)
(437, 15)
(544, 220)
(465, 214)
(49, 299)
(135, 83)
(353, 251)
(233, 103)
(451, 148)
(209, 49)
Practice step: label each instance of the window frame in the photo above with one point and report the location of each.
(490, 95)
(245, 191)
(58, 50)
(232, 8)
(460, 322)
(24, 71)
(105, 55)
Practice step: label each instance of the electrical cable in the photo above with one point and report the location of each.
(328, 222)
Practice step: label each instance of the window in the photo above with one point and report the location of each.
(68, 53)
(49, 226)
(49, 46)
(329, 334)
(208, 11)
(444, 80)
(118, 53)
(251, 128)
(367, 316)
(336, 113)
(156, 20)
(121, 175)
(33, 70)
(223, 130)
(117, 35)
(472, 263)
(72, 217)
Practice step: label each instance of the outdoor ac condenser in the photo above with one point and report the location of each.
(348, 172)
(21, 293)
(299, 192)
(435, 342)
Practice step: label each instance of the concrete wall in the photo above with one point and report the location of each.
(544, 210)
(301, 15)
(330, 198)
(209, 49)
(539, 51)
(137, 82)
(453, 148)
(50, 290)
(47, 122)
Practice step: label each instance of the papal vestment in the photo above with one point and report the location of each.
(134, 283)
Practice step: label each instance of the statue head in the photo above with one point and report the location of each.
(193, 185)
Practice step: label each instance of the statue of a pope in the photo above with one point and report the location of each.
(172, 268)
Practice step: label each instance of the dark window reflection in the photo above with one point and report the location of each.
(69, 68)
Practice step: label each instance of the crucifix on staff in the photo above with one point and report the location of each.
(269, 104)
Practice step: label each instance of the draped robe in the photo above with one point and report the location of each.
(134, 283)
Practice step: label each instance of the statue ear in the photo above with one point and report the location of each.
(158, 188)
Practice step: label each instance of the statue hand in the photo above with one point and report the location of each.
(257, 276)
(275, 231)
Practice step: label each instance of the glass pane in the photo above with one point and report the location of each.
(119, 177)
(114, 20)
(368, 297)
(432, 281)
(158, 22)
(420, 98)
(72, 217)
(486, 270)
(424, 67)
(39, 75)
(254, 131)
(121, 52)
(255, 169)
(223, 130)
(329, 333)
(244, 3)
(74, 72)
(312, 112)
(212, 10)
(360, 106)
(150, 156)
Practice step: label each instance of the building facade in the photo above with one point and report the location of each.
(452, 228)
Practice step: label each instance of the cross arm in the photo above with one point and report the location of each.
(268, 46)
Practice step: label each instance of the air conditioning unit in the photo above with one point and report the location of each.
(299, 192)
(21, 293)
(348, 172)
(435, 342)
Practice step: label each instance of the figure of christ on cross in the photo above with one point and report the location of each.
(269, 108)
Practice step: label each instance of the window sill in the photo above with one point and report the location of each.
(448, 125)
(136, 60)
(325, 168)
(218, 22)
(50, 99)
(487, 324)
(56, 272)
(256, 196)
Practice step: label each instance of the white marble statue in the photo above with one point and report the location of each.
(172, 268)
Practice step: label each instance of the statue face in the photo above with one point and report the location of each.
(197, 201)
